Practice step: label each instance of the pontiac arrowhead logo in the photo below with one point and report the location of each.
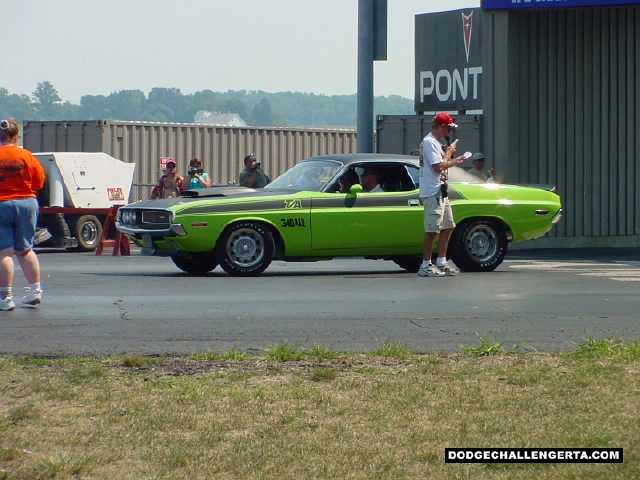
(467, 24)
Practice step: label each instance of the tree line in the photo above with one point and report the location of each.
(257, 108)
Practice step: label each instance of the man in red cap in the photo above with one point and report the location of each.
(438, 217)
(170, 184)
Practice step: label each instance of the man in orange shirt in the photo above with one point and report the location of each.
(21, 176)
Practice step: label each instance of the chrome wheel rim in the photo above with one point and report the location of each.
(482, 243)
(245, 247)
(89, 233)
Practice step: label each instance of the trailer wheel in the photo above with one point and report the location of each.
(88, 231)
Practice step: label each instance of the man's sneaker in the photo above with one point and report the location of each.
(449, 270)
(34, 297)
(430, 271)
(7, 304)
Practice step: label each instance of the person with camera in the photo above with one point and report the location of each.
(435, 160)
(196, 178)
(253, 176)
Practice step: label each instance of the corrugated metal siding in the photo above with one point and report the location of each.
(401, 134)
(221, 148)
(562, 107)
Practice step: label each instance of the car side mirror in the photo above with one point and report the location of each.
(356, 188)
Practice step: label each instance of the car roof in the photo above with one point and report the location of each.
(348, 158)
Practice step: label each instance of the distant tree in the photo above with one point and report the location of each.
(69, 111)
(262, 114)
(169, 105)
(127, 105)
(206, 100)
(94, 107)
(236, 105)
(46, 98)
(178, 107)
(18, 106)
(161, 113)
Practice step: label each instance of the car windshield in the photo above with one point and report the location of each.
(311, 175)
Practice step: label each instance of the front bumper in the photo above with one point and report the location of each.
(131, 230)
(148, 238)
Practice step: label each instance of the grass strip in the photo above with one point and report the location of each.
(304, 413)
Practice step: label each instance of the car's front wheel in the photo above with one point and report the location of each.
(245, 249)
(195, 263)
(478, 245)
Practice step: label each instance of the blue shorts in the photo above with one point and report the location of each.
(18, 223)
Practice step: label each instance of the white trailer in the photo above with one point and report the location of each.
(80, 190)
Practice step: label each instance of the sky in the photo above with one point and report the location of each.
(97, 47)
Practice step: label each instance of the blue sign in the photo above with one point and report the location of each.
(513, 4)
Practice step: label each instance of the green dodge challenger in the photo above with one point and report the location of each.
(314, 212)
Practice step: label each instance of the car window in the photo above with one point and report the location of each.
(393, 177)
(414, 173)
(311, 175)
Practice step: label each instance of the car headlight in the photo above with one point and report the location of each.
(128, 217)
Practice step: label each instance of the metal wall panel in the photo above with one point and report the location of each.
(401, 134)
(562, 107)
(221, 148)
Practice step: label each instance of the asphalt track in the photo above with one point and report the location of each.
(540, 300)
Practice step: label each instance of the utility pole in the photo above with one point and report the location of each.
(372, 45)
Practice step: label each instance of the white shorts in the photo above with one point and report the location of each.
(438, 215)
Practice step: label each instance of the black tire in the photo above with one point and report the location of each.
(196, 263)
(478, 245)
(408, 263)
(88, 231)
(245, 249)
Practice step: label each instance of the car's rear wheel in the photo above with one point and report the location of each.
(196, 263)
(478, 245)
(408, 263)
(245, 249)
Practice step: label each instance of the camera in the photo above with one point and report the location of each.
(194, 170)
(257, 164)
(443, 190)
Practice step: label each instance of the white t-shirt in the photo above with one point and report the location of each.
(431, 153)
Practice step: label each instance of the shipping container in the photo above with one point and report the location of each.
(221, 148)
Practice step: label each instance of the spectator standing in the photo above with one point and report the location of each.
(253, 176)
(438, 216)
(21, 176)
(478, 169)
(196, 176)
(170, 184)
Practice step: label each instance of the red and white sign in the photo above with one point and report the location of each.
(116, 194)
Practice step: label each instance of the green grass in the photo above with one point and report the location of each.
(299, 412)
(607, 347)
